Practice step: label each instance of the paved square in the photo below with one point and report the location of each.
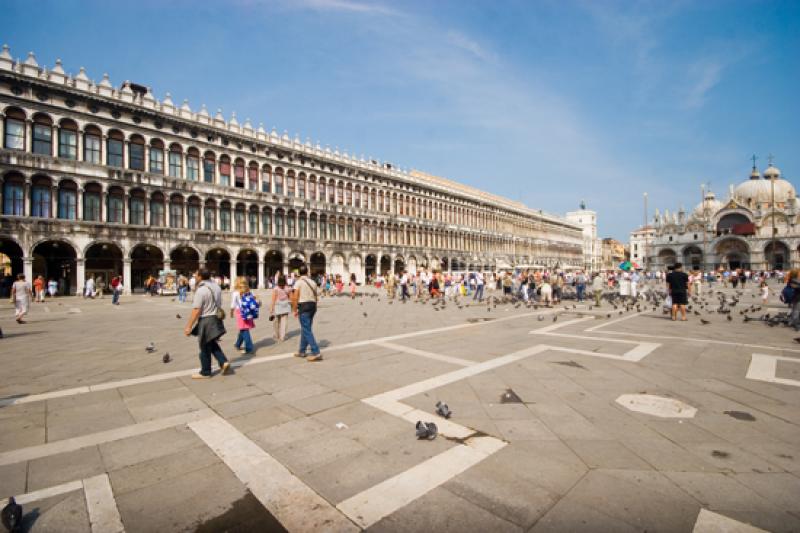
(564, 419)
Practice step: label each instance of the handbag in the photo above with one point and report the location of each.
(220, 313)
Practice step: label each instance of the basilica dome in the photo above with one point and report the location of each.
(711, 204)
(757, 192)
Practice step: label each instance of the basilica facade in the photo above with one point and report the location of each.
(753, 228)
(100, 181)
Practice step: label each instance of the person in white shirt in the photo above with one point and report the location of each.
(404, 287)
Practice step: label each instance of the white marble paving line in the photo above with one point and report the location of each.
(559, 325)
(377, 502)
(370, 506)
(16, 400)
(103, 513)
(701, 341)
(49, 492)
(711, 522)
(429, 355)
(293, 503)
(93, 439)
(764, 367)
(616, 320)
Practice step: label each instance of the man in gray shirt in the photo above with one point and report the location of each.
(207, 300)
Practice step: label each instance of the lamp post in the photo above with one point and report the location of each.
(774, 230)
(705, 224)
(644, 227)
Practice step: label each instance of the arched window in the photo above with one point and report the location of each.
(14, 127)
(312, 226)
(266, 179)
(92, 145)
(350, 232)
(224, 216)
(332, 192)
(348, 200)
(373, 199)
(114, 146)
(357, 197)
(252, 219)
(266, 221)
(193, 164)
(157, 210)
(332, 228)
(116, 206)
(252, 176)
(208, 167)
(91, 203)
(312, 188)
(175, 161)
(301, 226)
(157, 156)
(210, 215)
(301, 186)
(290, 184)
(136, 153)
(13, 197)
(42, 134)
(193, 213)
(278, 181)
(340, 232)
(279, 222)
(68, 140)
(136, 209)
(224, 171)
(340, 193)
(291, 219)
(323, 227)
(238, 173)
(41, 198)
(322, 196)
(176, 211)
(239, 219)
(67, 200)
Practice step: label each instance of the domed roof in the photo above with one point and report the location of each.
(753, 193)
(772, 172)
(711, 203)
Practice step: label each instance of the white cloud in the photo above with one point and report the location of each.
(460, 40)
(703, 77)
(350, 6)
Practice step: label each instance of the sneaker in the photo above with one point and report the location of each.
(200, 376)
(226, 368)
(314, 357)
(298, 354)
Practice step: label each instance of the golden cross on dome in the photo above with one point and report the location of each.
(754, 161)
(770, 158)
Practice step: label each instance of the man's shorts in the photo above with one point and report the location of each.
(680, 298)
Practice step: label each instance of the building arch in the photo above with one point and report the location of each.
(273, 263)
(185, 259)
(146, 260)
(317, 263)
(56, 259)
(780, 259)
(733, 253)
(103, 259)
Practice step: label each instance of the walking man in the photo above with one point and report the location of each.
(679, 289)
(304, 304)
(207, 325)
(479, 284)
(21, 295)
(597, 288)
(404, 286)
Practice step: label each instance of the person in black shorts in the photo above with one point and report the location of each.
(679, 290)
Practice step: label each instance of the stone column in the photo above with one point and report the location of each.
(79, 204)
(54, 202)
(26, 206)
(27, 269)
(167, 263)
(127, 279)
(80, 275)
(80, 154)
(261, 277)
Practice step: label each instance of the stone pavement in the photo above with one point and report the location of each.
(96, 434)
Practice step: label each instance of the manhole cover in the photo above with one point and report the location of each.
(651, 404)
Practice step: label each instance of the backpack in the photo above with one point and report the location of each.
(787, 294)
(249, 307)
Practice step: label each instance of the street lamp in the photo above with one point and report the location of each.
(644, 227)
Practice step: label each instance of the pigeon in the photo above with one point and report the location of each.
(729, 318)
(178, 316)
(150, 348)
(365, 315)
(443, 410)
(555, 317)
(705, 322)
(11, 516)
(426, 430)
(540, 317)
(1, 333)
(166, 358)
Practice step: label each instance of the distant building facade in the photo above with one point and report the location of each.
(101, 181)
(592, 246)
(640, 240)
(613, 253)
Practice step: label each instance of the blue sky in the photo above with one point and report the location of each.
(547, 102)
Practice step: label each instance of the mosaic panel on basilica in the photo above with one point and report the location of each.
(98, 181)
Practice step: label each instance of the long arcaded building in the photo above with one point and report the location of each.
(98, 180)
